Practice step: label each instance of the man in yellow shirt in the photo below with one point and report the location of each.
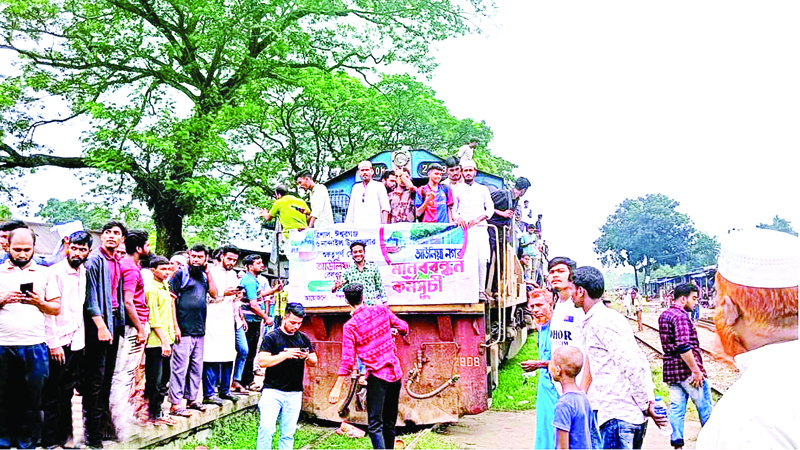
(158, 350)
(292, 212)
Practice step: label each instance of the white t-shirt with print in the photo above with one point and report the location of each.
(565, 329)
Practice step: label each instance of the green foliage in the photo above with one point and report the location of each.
(5, 212)
(649, 232)
(514, 391)
(779, 224)
(171, 87)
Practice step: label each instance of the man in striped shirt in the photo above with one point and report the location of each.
(372, 328)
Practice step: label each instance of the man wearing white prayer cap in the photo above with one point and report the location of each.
(756, 319)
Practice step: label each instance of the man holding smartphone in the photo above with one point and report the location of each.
(285, 353)
(23, 351)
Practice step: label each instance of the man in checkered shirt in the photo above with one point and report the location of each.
(683, 364)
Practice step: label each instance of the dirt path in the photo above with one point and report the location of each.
(495, 429)
(517, 430)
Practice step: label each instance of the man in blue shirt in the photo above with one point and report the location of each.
(254, 314)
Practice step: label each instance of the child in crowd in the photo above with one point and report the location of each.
(572, 419)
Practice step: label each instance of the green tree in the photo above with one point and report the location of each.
(644, 233)
(163, 81)
(5, 212)
(779, 224)
(703, 250)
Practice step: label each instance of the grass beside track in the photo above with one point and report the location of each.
(515, 392)
(241, 431)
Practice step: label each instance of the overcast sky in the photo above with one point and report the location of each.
(601, 101)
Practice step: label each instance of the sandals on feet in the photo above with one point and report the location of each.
(181, 412)
(197, 407)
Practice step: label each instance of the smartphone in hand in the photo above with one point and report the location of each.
(26, 288)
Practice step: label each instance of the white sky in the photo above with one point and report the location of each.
(601, 101)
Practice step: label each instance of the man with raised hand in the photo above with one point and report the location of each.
(190, 288)
(219, 349)
(369, 336)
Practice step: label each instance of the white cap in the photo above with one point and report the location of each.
(468, 163)
(760, 258)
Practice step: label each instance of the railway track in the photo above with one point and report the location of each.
(722, 368)
(651, 327)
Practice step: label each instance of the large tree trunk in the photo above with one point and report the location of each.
(168, 219)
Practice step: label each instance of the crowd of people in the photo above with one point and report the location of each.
(598, 390)
(128, 330)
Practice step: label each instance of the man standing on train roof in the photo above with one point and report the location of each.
(683, 363)
(365, 273)
(505, 202)
(466, 151)
(321, 212)
(434, 202)
(369, 203)
(290, 210)
(756, 319)
(472, 205)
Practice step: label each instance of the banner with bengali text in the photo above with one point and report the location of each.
(419, 263)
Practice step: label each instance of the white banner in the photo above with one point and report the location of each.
(419, 263)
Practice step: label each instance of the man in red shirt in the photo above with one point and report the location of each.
(130, 353)
(372, 327)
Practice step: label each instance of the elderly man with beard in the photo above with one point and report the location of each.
(190, 287)
(541, 304)
(622, 390)
(683, 362)
(66, 283)
(369, 203)
(23, 351)
(104, 313)
(756, 318)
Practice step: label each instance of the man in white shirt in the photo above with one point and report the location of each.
(219, 351)
(472, 205)
(526, 214)
(23, 351)
(369, 203)
(321, 211)
(621, 387)
(466, 151)
(66, 283)
(757, 279)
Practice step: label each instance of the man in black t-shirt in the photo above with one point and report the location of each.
(285, 352)
(505, 203)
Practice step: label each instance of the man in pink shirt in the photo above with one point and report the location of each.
(372, 327)
(130, 352)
